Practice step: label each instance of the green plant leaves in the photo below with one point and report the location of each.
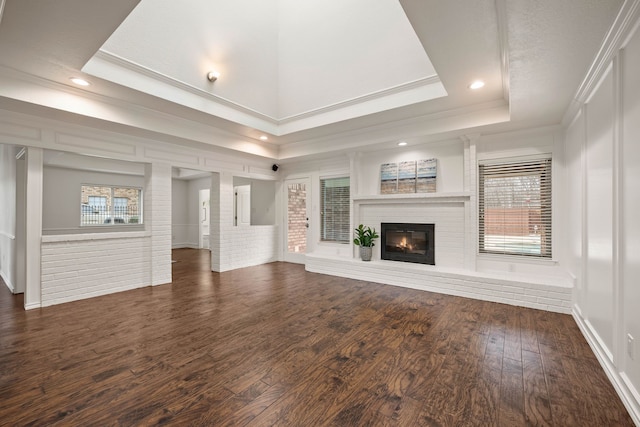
(365, 236)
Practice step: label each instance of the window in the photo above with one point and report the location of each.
(98, 204)
(103, 205)
(514, 201)
(334, 210)
(120, 205)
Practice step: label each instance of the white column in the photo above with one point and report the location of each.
(470, 207)
(33, 226)
(214, 224)
(222, 196)
(157, 217)
(354, 190)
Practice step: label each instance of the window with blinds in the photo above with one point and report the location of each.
(514, 201)
(334, 210)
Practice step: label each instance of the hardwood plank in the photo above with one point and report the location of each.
(511, 407)
(276, 345)
(537, 407)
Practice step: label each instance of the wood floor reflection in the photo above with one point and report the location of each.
(275, 345)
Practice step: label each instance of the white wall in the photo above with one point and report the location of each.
(61, 198)
(450, 165)
(8, 215)
(598, 279)
(603, 238)
(263, 199)
(179, 213)
(185, 211)
(263, 202)
(193, 209)
(572, 235)
(629, 209)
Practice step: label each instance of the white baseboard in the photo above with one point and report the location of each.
(628, 394)
(7, 282)
(32, 306)
(184, 245)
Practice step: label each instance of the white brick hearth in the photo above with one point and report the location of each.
(547, 294)
(454, 272)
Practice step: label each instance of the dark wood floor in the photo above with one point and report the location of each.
(275, 345)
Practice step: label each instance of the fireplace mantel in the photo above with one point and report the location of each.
(375, 199)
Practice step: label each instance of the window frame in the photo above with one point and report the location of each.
(545, 163)
(346, 232)
(110, 212)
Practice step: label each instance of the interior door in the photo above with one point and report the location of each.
(297, 219)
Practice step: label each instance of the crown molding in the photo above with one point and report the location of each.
(623, 27)
(425, 125)
(503, 41)
(2, 2)
(383, 93)
(419, 90)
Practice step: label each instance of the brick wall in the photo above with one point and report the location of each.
(129, 193)
(297, 218)
(100, 265)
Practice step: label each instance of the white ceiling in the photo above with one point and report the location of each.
(316, 77)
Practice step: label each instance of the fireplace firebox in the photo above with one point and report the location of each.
(408, 242)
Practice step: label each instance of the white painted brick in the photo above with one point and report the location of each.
(81, 269)
(414, 276)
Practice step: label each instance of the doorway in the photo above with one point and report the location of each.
(297, 219)
(204, 203)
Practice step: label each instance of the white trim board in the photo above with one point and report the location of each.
(622, 386)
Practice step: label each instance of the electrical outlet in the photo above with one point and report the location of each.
(630, 346)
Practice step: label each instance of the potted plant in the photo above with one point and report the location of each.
(365, 237)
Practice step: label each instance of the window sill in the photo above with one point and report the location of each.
(516, 259)
(95, 236)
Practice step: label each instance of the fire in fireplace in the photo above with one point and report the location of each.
(408, 242)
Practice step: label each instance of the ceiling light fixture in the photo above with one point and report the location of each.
(79, 81)
(212, 76)
(476, 85)
(264, 138)
(401, 144)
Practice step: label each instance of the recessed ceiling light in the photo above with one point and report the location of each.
(264, 138)
(402, 144)
(476, 85)
(79, 81)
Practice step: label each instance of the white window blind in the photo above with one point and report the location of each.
(514, 201)
(334, 210)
